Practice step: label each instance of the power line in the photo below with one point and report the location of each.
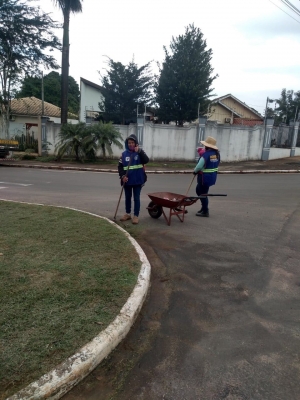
(291, 6)
(284, 12)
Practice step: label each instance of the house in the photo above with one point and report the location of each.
(26, 123)
(25, 115)
(90, 97)
(229, 109)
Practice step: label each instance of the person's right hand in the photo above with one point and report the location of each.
(125, 179)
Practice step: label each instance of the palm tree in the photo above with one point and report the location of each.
(75, 140)
(105, 134)
(66, 6)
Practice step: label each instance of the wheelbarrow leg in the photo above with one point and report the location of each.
(173, 211)
(168, 220)
(178, 213)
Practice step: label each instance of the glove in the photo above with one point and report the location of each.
(195, 173)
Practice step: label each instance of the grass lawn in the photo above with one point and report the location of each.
(64, 276)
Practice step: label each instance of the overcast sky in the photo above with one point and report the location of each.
(256, 46)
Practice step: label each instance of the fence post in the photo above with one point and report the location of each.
(44, 136)
(200, 135)
(294, 137)
(39, 136)
(269, 122)
(140, 130)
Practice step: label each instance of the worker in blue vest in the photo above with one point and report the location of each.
(133, 177)
(206, 171)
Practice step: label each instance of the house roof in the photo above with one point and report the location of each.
(33, 106)
(219, 101)
(230, 109)
(92, 84)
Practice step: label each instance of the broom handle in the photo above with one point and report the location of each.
(190, 185)
(123, 187)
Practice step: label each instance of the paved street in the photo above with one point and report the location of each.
(222, 317)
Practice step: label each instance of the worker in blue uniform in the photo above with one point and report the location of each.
(131, 169)
(206, 171)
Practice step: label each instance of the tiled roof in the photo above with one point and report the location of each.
(33, 106)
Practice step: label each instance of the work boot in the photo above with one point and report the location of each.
(203, 213)
(125, 217)
(135, 220)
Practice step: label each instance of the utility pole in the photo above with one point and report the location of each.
(43, 109)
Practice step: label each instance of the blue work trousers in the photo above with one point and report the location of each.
(136, 190)
(202, 189)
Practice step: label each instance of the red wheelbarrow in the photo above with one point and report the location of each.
(174, 201)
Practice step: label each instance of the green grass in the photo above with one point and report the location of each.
(64, 276)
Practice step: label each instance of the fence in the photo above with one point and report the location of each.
(27, 141)
(169, 142)
(282, 136)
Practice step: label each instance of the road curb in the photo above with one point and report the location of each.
(66, 375)
(63, 168)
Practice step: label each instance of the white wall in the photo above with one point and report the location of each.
(163, 142)
(276, 153)
(89, 100)
(53, 130)
(297, 151)
(57, 120)
(18, 128)
(237, 143)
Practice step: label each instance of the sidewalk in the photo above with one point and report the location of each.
(291, 164)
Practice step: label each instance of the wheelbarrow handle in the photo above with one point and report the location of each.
(203, 196)
(213, 194)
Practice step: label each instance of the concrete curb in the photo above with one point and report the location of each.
(65, 376)
(63, 168)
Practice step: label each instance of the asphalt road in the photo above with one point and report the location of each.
(222, 317)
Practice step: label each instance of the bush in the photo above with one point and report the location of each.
(28, 157)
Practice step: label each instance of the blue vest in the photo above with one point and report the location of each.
(212, 161)
(136, 173)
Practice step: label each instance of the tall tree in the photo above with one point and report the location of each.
(185, 78)
(31, 86)
(125, 87)
(26, 33)
(288, 106)
(67, 7)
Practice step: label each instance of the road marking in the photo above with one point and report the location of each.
(17, 184)
(3, 187)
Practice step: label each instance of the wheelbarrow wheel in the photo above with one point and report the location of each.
(154, 210)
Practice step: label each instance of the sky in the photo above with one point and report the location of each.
(256, 46)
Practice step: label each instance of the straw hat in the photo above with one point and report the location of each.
(209, 142)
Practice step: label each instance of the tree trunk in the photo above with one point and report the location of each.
(4, 121)
(65, 69)
(77, 153)
(103, 151)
